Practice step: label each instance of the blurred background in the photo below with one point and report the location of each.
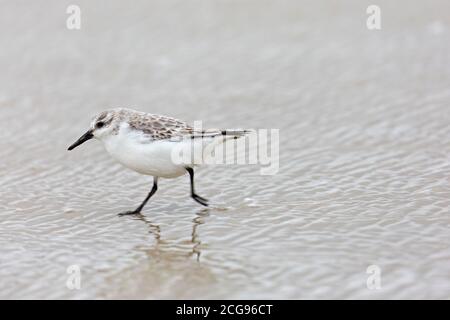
(364, 149)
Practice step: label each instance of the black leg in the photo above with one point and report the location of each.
(150, 194)
(195, 196)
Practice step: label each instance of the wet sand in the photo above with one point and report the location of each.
(364, 150)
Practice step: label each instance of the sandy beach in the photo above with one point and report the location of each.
(364, 150)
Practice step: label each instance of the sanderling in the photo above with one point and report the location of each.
(146, 142)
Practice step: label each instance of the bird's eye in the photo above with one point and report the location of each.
(100, 124)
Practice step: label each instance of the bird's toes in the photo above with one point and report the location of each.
(200, 200)
(126, 213)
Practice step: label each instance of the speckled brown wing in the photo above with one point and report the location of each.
(160, 127)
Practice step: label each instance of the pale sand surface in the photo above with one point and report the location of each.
(364, 149)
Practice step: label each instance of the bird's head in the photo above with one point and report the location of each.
(102, 125)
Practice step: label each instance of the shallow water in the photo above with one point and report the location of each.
(364, 150)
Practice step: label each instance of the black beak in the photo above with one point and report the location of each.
(85, 137)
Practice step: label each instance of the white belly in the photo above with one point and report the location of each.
(164, 158)
(153, 158)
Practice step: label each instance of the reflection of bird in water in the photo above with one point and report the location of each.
(155, 231)
(200, 219)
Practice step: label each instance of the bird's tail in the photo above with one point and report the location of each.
(235, 133)
(201, 143)
(217, 133)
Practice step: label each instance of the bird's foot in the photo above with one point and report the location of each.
(201, 200)
(129, 213)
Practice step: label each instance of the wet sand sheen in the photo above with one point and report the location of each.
(364, 149)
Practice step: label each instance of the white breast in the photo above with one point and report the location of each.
(154, 158)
